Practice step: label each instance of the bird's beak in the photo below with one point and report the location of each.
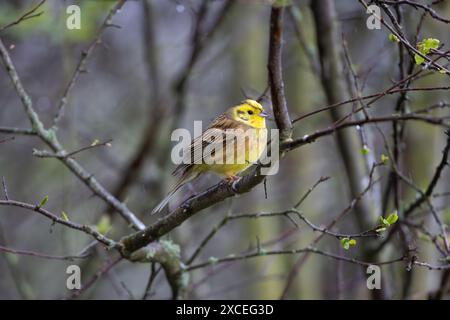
(266, 115)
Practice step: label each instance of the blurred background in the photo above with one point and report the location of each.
(152, 75)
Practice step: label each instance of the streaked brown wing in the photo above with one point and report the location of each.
(214, 136)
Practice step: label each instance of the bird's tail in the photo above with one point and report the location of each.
(172, 192)
(166, 200)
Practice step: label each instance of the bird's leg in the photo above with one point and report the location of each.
(231, 179)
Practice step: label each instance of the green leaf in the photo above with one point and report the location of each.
(425, 47)
(430, 43)
(43, 202)
(393, 38)
(95, 142)
(104, 225)
(392, 218)
(379, 230)
(64, 216)
(345, 244)
(418, 59)
(384, 222)
(213, 260)
(365, 150)
(384, 158)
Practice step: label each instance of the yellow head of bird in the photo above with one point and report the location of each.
(251, 113)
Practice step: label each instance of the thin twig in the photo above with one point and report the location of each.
(46, 154)
(416, 5)
(432, 267)
(207, 238)
(300, 262)
(8, 130)
(307, 193)
(409, 116)
(41, 255)
(84, 228)
(368, 233)
(153, 273)
(434, 180)
(27, 15)
(81, 66)
(103, 270)
(406, 42)
(389, 91)
(293, 251)
(5, 188)
(279, 103)
(50, 138)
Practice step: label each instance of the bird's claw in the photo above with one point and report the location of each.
(233, 187)
(232, 180)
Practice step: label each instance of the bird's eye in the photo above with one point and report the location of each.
(250, 112)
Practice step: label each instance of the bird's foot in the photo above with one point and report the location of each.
(232, 180)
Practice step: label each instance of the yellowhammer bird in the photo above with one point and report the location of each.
(232, 142)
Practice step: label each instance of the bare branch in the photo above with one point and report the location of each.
(5, 189)
(41, 255)
(262, 253)
(378, 95)
(7, 130)
(368, 233)
(407, 44)
(416, 5)
(46, 154)
(437, 174)
(84, 228)
(308, 192)
(81, 67)
(410, 116)
(50, 138)
(432, 267)
(153, 274)
(167, 254)
(103, 270)
(300, 262)
(207, 238)
(27, 15)
(280, 109)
